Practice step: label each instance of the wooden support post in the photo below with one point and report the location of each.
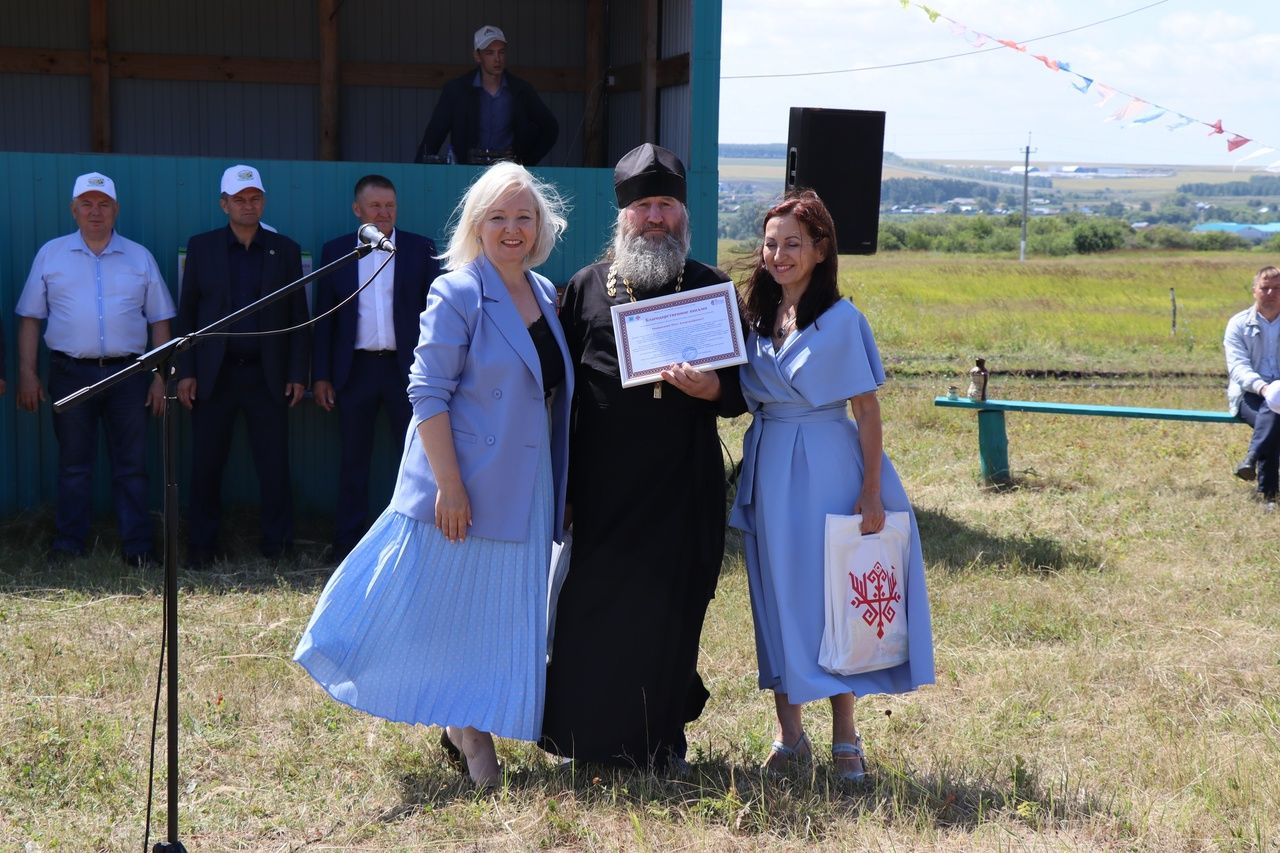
(327, 14)
(593, 153)
(993, 446)
(99, 78)
(649, 72)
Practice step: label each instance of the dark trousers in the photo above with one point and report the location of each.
(375, 380)
(240, 387)
(122, 411)
(1265, 444)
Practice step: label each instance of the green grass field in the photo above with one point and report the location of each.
(1107, 634)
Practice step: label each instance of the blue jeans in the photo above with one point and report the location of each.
(122, 411)
(1265, 444)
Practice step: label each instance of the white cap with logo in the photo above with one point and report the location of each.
(241, 177)
(94, 182)
(487, 35)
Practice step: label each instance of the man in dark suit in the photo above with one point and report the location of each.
(490, 114)
(363, 351)
(262, 377)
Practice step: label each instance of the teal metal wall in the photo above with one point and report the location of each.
(165, 200)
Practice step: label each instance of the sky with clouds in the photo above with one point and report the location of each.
(1203, 59)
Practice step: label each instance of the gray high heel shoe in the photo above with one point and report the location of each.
(851, 750)
(781, 757)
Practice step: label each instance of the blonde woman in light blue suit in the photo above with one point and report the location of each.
(438, 616)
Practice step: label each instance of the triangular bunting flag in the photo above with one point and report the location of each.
(933, 16)
(1088, 81)
(1129, 110)
(1051, 64)
(1237, 141)
(1215, 128)
(1012, 44)
(1151, 116)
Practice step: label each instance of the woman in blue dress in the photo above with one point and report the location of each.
(810, 352)
(438, 615)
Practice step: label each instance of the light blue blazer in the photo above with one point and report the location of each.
(476, 361)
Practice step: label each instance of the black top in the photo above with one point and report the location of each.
(549, 357)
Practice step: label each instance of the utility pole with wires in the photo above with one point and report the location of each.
(1026, 181)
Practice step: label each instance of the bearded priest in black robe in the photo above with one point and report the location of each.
(647, 490)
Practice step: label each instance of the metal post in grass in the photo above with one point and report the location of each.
(993, 446)
(1026, 181)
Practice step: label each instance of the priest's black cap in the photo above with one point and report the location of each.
(648, 170)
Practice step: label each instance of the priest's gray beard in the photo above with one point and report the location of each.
(649, 264)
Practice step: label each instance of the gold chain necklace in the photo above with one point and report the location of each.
(611, 283)
(611, 288)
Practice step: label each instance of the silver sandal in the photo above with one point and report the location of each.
(851, 750)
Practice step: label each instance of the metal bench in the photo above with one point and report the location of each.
(993, 441)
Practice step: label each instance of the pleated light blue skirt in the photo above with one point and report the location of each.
(417, 629)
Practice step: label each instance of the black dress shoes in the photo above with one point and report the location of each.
(1246, 470)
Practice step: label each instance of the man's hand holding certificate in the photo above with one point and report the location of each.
(698, 327)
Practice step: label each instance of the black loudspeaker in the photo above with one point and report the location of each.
(838, 154)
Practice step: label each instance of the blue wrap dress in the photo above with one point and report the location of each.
(801, 460)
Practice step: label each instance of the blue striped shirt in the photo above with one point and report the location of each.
(98, 306)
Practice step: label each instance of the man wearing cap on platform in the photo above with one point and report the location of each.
(101, 295)
(490, 114)
(261, 377)
(363, 352)
(1252, 344)
(646, 484)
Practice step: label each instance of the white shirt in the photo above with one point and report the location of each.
(374, 327)
(98, 306)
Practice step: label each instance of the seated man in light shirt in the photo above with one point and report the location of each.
(1252, 344)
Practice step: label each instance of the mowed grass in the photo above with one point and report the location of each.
(1107, 634)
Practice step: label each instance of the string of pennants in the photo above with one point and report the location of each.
(1133, 111)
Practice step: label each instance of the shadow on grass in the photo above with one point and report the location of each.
(25, 566)
(810, 804)
(953, 546)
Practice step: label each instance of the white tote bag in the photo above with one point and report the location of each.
(866, 624)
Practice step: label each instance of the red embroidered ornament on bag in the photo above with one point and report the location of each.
(869, 631)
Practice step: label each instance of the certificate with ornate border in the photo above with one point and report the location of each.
(700, 327)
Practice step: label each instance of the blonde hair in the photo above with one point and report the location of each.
(493, 185)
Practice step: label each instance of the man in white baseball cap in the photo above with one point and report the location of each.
(1252, 344)
(490, 114)
(259, 377)
(100, 294)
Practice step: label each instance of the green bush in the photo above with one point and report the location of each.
(1165, 237)
(1218, 241)
(1099, 235)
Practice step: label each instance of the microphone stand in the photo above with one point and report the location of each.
(161, 361)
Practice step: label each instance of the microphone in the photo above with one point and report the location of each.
(370, 234)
